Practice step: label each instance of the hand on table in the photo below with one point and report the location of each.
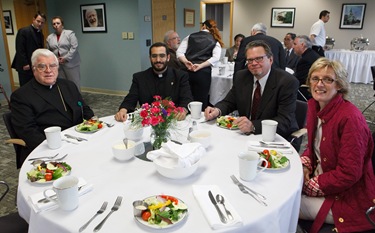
(121, 115)
(244, 124)
(211, 113)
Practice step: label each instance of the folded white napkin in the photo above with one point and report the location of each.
(175, 155)
(255, 145)
(38, 207)
(201, 194)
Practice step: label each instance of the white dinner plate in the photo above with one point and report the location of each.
(93, 131)
(224, 127)
(286, 167)
(154, 226)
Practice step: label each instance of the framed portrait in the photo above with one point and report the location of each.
(93, 18)
(189, 18)
(283, 17)
(8, 22)
(352, 16)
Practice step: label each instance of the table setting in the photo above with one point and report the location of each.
(138, 178)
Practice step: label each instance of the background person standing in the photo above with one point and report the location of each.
(318, 33)
(28, 40)
(64, 44)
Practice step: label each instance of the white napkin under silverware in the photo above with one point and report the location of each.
(201, 195)
(257, 146)
(38, 207)
(176, 155)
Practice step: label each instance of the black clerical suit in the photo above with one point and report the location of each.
(36, 107)
(146, 84)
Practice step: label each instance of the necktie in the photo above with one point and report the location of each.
(256, 101)
(287, 55)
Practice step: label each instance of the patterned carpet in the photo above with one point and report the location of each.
(361, 95)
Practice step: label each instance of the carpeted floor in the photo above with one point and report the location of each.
(361, 95)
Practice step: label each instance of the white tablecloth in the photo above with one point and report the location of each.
(220, 84)
(356, 63)
(137, 179)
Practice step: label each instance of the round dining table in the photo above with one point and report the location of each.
(137, 179)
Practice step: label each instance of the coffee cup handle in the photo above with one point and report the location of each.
(189, 107)
(261, 160)
(49, 197)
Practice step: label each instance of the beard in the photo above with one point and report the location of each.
(93, 23)
(156, 66)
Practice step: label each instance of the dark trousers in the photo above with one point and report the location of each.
(200, 83)
(24, 78)
(319, 50)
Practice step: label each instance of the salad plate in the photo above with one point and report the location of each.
(276, 160)
(89, 126)
(37, 175)
(164, 205)
(284, 167)
(226, 122)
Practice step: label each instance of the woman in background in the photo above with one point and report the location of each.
(231, 53)
(64, 44)
(199, 52)
(339, 181)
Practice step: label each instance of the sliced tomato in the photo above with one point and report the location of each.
(100, 126)
(146, 215)
(48, 176)
(172, 199)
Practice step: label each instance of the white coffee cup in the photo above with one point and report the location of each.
(231, 66)
(66, 189)
(201, 136)
(195, 109)
(225, 60)
(269, 130)
(53, 135)
(248, 163)
(221, 70)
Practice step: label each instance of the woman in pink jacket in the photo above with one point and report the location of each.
(339, 181)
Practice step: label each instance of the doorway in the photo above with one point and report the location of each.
(163, 18)
(222, 12)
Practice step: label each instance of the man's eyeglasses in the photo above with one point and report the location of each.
(325, 80)
(43, 67)
(162, 55)
(257, 59)
(173, 38)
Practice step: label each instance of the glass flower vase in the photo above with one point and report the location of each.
(158, 136)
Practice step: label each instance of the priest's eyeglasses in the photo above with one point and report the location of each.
(325, 80)
(43, 67)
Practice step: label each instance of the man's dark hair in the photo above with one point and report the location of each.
(41, 15)
(292, 35)
(323, 13)
(159, 44)
(260, 43)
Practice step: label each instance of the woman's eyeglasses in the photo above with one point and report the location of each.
(325, 80)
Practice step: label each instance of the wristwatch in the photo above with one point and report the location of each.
(251, 132)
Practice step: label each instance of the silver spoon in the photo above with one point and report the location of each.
(125, 140)
(220, 199)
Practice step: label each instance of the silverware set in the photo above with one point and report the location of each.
(220, 200)
(115, 207)
(257, 196)
(74, 137)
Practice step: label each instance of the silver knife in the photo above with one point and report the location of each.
(221, 215)
(74, 137)
(271, 146)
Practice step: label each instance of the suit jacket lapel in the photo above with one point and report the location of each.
(35, 38)
(267, 92)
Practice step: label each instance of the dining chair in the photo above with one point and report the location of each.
(301, 112)
(11, 223)
(373, 78)
(5, 94)
(17, 143)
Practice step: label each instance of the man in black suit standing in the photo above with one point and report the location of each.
(277, 90)
(45, 101)
(259, 32)
(28, 40)
(291, 58)
(303, 48)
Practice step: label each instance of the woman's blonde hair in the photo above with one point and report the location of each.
(339, 70)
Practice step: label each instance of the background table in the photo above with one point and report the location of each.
(220, 84)
(137, 179)
(356, 63)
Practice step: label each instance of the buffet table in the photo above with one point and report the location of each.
(356, 63)
(220, 84)
(137, 179)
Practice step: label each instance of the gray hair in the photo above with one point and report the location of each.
(166, 36)
(90, 11)
(259, 27)
(306, 40)
(42, 53)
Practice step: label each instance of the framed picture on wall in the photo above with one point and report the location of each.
(189, 18)
(283, 17)
(93, 18)
(8, 22)
(352, 16)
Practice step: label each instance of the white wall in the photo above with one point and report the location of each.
(247, 13)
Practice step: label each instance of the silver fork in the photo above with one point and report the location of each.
(100, 211)
(242, 188)
(257, 196)
(115, 207)
(109, 125)
(44, 157)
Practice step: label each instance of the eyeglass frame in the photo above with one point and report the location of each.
(257, 59)
(52, 66)
(316, 80)
(173, 38)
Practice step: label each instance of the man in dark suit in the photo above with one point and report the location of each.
(259, 32)
(28, 39)
(45, 101)
(291, 58)
(157, 80)
(278, 94)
